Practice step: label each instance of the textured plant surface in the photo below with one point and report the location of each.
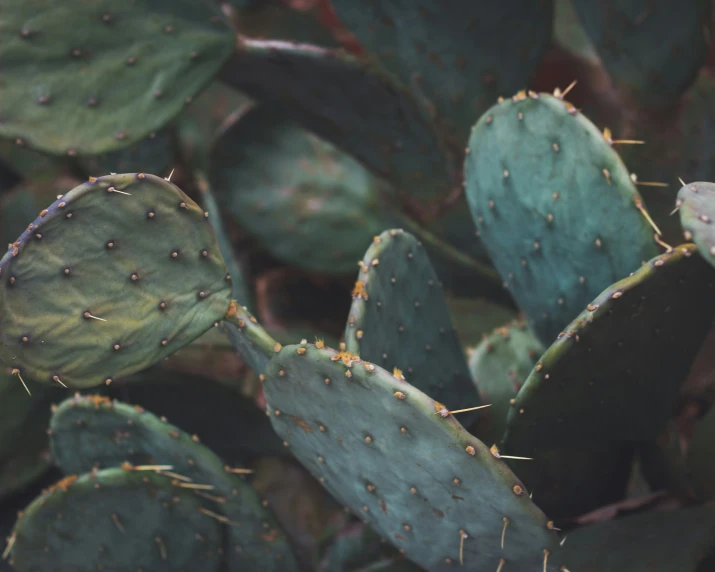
(339, 286)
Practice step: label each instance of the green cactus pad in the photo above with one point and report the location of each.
(615, 373)
(475, 318)
(381, 447)
(153, 154)
(131, 250)
(652, 49)
(88, 78)
(656, 541)
(458, 55)
(309, 204)
(696, 202)
(554, 206)
(351, 103)
(84, 435)
(399, 319)
(116, 520)
(499, 367)
(248, 338)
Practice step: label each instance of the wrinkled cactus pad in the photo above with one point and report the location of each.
(555, 207)
(384, 449)
(615, 372)
(399, 319)
(84, 435)
(696, 203)
(113, 276)
(116, 520)
(85, 78)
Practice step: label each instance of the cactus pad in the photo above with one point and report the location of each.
(697, 216)
(457, 56)
(84, 435)
(399, 319)
(657, 541)
(310, 204)
(652, 49)
(615, 373)
(248, 338)
(554, 206)
(115, 275)
(382, 448)
(137, 520)
(103, 74)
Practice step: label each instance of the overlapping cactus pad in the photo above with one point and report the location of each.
(404, 465)
(696, 203)
(116, 520)
(555, 207)
(115, 275)
(399, 319)
(615, 372)
(84, 435)
(89, 77)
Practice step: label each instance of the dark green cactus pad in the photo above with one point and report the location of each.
(399, 319)
(499, 366)
(615, 373)
(457, 56)
(116, 520)
(351, 103)
(131, 250)
(696, 202)
(308, 203)
(554, 206)
(475, 318)
(104, 74)
(657, 541)
(381, 447)
(652, 49)
(701, 457)
(84, 436)
(248, 338)
(153, 154)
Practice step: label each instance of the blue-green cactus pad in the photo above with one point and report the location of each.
(696, 202)
(147, 262)
(309, 204)
(248, 338)
(116, 520)
(84, 436)
(615, 373)
(651, 48)
(351, 103)
(554, 206)
(87, 78)
(399, 319)
(459, 56)
(656, 541)
(381, 447)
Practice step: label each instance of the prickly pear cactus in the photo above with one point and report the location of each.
(554, 206)
(696, 203)
(385, 450)
(399, 319)
(104, 74)
(615, 372)
(83, 436)
(115, 275)
(138, 520)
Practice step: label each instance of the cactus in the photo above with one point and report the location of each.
(554, 206)
(700, 461)
(445, 498)
(254, 539)
(132, 514)
(168, 52)
(696, 203)
(585, 386)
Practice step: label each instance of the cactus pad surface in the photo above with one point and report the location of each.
(113, 276)
(381, 447)
(696, 202)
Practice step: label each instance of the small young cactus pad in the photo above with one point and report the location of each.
(696, 202)
(90, 77)
(310, 204)
(116, 520)
(615, 371)
(113, 276)
(555, 207)
(399, 319)
(84, 435)
(384, 449)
